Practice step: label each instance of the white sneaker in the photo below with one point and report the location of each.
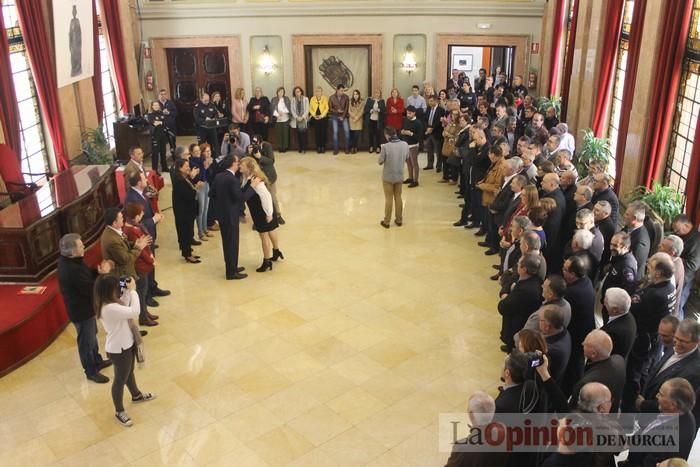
(123, 419)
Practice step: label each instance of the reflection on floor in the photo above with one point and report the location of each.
(343, 355)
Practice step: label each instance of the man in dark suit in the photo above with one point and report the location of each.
(481, 410)
(621, 326)
(675, 397)
(581, 296)
(639, 236)
(582, 200)
(513, 377)
(433, 134)
(601, 213)
(500, 204)
(524, 298)
(649, 305)
(228, 200)
(682, 362)
(552, 227)
(602, 367)
(621, 270)
(170, 112)
(603, 192)
(558, 340)
(684, 228)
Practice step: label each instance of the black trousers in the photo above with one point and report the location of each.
(159, 153)
(321, 132)
(638, 363)
(209, 135)
(123, 375)
(185, 231)
(355, 136)
(301, 138)
(229, 243)
(375, 136)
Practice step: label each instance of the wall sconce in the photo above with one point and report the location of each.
(409, 60)
(267, 65)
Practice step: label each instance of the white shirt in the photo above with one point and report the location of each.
(115, 319)
(507, 180)
(282, 112)
(265, 198)
(121, 234)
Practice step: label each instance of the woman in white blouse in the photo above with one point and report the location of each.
(118, 317)
(262, 211)
(281, 113)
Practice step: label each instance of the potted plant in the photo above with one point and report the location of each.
(664, 202)
(543, 103)
(95, 146)
(592, 149)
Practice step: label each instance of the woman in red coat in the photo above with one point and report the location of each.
(145, 262)
(394, 110)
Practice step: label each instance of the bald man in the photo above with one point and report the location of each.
(602, 367)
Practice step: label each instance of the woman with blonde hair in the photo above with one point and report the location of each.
(394, 110)
(239, 112)
(262, 211)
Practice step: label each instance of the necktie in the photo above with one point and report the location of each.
(432, 113)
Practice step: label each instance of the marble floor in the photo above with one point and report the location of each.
(343, 355)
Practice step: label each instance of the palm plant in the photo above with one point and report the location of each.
(666, 202)
(543, 103)
(95, 146)
(592, 150)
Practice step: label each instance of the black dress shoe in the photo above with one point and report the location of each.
(497, 267)
(236, 277)
(471, 226)
(461, 205)
(151, 302)
(158, 292)
(98, 378)
(480, 233)
(495, 277)
(195, 242)
(240, 269)
(459, 224)
(143, 333)
(491, 252)
(408, 180)
(438, 170)
(505, 348)
(428, 168)
(460, 196)
(484, 244)
(104, 364)
(413, 184)
(280, 220)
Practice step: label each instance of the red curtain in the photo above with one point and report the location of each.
(97, 75)
(674, 34)
(568, 62)
(36, 40)
(112, 21)
(692, 188)
(10, 166)
(555, 51)
(635, 46)
(608, 55)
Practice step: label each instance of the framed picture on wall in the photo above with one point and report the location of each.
(74, 42)
(329, 66)
(464, 62)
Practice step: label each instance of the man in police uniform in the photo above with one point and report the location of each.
(205, 111)
(170, 112)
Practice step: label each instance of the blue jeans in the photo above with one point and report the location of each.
(346, 132)
(88, 349)
(203, 205)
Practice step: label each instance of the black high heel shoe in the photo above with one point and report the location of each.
(276, 254)
(267, 264)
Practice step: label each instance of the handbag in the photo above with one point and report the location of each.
(448, 148)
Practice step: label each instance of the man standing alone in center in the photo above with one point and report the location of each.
(228, 199)
(393, 156)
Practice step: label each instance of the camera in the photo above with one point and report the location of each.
(123, 281)
(534, 359)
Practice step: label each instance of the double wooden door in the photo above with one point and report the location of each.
(192, 72)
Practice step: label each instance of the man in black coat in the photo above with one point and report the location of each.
(513, 377)
(558, 340)
(684, 228)
(581, 296)
(76, 282)
(602, 367)
(639, 236)
(622, 269)
(228, 200)
(500, 204)
(601, 213)
(552, 228)
(582, 200)
(524, 298)
(621, 326)
(649, 305)
(433, 134)
(603, 192)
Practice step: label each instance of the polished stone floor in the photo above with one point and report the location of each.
(343, 355)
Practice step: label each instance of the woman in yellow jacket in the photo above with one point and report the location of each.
(318, 108)
(490, 186)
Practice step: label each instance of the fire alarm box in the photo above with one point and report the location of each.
(149, 81)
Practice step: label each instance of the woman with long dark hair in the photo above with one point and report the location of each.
(300, 117)
(117, 316)
(184, 206)
(262, 211)
(355, 111)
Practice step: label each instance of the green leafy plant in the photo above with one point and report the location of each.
(666, 202)
(95, 146)
(543, 103)
(592, 150)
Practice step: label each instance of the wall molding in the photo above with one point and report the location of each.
(479, 8)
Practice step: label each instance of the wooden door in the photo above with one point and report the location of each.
(194, 71)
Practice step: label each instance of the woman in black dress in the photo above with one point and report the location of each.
(262, 211)
(184, 206)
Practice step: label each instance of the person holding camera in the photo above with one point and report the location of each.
(76, 281)
(264, 155)
(235, 142)
(117, 315)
